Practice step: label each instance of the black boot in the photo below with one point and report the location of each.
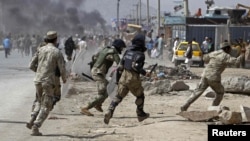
(141, 115)
(110, 112)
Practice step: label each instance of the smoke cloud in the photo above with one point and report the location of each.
(36, 16)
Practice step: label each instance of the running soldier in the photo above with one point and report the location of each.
(129, 71)
(102, 62)
(217, 63)
(49, 60)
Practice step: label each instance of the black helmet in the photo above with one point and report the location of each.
(139, 42)
(119, 44)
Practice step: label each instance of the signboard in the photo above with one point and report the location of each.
(122, 23)
(173, 20)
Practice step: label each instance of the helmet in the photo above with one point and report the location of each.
(224, 45)
(119, 44)
(139, 42)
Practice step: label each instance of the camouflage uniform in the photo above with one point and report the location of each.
(218, 61)
(45, 81)
(57, 93)
(103, 61)
(131, 66)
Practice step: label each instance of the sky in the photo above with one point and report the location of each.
(108, 8)
(167, 5)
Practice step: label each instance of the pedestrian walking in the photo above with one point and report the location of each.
(7, 45)
(188, 55)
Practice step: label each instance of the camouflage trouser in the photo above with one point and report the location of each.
(204, 84)
(130, 81)
(44, 104)
(57, 96)
(101, 83)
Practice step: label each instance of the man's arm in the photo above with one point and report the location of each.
(34, 62)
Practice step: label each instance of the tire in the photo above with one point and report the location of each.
(176, 63)
(201, 64)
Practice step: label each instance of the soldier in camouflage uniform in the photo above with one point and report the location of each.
(57, 93)
(217, 63)
(103, 60)
(130, 68)
(49, 60)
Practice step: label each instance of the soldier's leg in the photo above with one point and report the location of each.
(46, 107)
(102, 96)
(121, 93)
(57, 91)
(219, 90)
(137, 90)
(203, 85)
(35, 107)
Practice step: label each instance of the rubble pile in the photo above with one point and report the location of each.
(219, 115)
(171, 73)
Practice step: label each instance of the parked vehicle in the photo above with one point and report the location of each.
(181, 49)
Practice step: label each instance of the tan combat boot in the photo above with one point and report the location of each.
(85, 111)
(35, 131)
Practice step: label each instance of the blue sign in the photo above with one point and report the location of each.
(171, 20)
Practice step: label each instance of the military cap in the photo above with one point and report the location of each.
(51, 35)
(224, 45)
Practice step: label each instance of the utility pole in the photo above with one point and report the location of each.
(148, 12)
(118, 21)
(139, 12)
(159, 17)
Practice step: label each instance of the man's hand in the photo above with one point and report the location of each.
(148, 74)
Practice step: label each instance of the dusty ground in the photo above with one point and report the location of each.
(163, 124)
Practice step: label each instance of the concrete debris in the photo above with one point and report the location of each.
(157, 87)
(179, 86)
(219, 109)
(219, 114)
(171, 73)
(199, 115)
(237, 84)
(245, 113)
(230, 117)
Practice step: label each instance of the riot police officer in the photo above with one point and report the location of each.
(130, 68)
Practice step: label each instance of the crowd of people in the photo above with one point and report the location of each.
(49, 64)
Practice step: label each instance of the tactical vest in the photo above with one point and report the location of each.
(134, 60)
(101, 58)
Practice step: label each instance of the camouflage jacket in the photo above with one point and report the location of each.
(104, 60)
(45, 62)
(217, 62)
